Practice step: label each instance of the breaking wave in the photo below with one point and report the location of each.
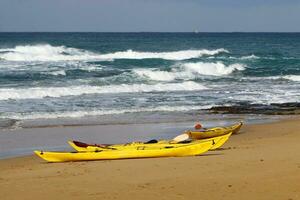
(47, 52)
(213, 69)
(175, 55)
(249, 57)
(156, 75)
(292, 77)
(55, 73)
(189, 71)
(39, 92)
(295, 78)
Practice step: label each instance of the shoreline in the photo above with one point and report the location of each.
(237, 110)
(262, 162)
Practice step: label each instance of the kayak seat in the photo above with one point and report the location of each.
(151, 142)
(80, 144)
(185, 142)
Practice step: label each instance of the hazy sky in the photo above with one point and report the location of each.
(150, 15)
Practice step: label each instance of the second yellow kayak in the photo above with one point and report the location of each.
(82, 147)
(214, 132)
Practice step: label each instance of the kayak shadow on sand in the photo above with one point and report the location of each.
(224, 148)
(210, 154)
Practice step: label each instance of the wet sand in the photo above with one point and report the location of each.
(262, 162)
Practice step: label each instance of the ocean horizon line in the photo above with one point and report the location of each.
(194, 32)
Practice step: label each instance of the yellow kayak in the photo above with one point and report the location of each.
(192, 148)
(82, 147)
(214, 132)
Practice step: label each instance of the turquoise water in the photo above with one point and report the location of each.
(108, 77)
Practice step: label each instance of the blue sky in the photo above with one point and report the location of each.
(150, 15)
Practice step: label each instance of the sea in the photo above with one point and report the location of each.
(49, 79)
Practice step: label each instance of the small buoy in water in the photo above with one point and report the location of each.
(198, 125)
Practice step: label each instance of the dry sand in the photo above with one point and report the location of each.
(262, 162)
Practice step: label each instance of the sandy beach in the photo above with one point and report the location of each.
(262, 162)
(146, 75)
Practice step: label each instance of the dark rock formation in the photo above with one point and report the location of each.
(292, 108)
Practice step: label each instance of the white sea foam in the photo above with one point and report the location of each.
(292, 77)
(38, 92)
(295, 78)
(56, 73)
(47, 52)
(249, 57)
(175, 55)
(156, 75)
(213, 69)
(188, 71)
(263, 95)
(78, 114)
